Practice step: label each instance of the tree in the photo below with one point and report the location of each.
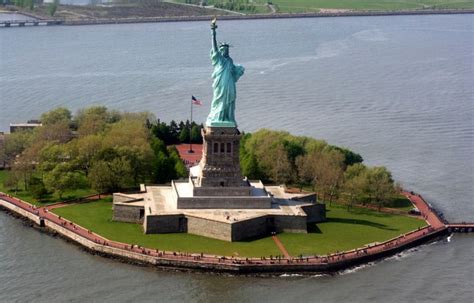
(110, 176)
(196, 134)
(58, 131)
(322, 169)
(15, 144)
(330, 173)
(306, 172)
(251, 168)
(93, 120)
(62, 178)
(163, 167)
(184, 135)
(86, 148)
(280, 170)
(52, 7)
(37, 188)
(12, 180)
(24, 167)
(179, 167)
(51, 155)
(350, 157)
(355, 181)
(380, 185)
(60, 114)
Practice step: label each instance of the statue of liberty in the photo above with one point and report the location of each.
(225, 75)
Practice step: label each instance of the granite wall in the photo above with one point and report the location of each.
(251, 228)
(224, 202)
(292, 224)
(128, 213)
(162, 224)
(315, 212)
(209, 228)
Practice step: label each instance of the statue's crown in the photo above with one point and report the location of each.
(224, 44)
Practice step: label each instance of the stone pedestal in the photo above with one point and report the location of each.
(220, 164)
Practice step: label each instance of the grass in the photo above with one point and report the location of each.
(97, 216)
(401, 202)
(313, 5)
(344, 230)
(48, 199)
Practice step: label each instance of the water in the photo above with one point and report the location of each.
(398, 90)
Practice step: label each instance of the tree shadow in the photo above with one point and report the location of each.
(360, 222)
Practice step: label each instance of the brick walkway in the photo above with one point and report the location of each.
(435, 225)
(190, 159)
(281, 247)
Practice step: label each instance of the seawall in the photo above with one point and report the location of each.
(268, 16)
(217, 264)
(251, 17)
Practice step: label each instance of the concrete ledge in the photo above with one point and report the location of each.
(20, 211)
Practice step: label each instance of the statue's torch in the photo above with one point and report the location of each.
(213, 23)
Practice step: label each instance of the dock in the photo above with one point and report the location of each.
(23, 23)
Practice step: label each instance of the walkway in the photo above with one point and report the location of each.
(190, 159)
(281, 247)
(339, 259)
(425, 209)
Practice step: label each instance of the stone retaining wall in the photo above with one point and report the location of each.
(209, 228)
(315, 212)
(20, 211)
(160, 224)
(221, 191)
(128, 213)
(251, 228)
(224, 202)
(291, 224)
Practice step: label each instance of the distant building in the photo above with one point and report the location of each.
(31, 124)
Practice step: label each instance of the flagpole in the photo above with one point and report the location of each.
(190, 128)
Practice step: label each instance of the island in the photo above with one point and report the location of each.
(121, 185)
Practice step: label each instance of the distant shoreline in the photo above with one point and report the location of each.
(250, 17)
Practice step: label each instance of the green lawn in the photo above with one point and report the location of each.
(97, 216)
(401, 202)
(344, 230)
(314, 5)
(298, 6)
(48, 199)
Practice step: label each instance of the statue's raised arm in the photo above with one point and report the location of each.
(213, 29)
(225, 75)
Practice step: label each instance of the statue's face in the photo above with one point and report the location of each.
(224, 51)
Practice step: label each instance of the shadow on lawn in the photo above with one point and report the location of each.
(314, 229)
(358, 222)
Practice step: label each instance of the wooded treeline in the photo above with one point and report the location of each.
(333, 172)
(108, 151)
(98, 148)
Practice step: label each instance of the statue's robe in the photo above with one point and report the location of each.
(225, 75)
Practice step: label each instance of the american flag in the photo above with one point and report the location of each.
(195, 101)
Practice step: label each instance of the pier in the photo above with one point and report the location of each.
(22, 23)
(461, 227)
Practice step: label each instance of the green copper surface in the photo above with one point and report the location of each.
(224, 76)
